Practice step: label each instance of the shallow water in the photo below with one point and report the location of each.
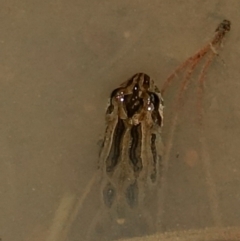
(60, 61)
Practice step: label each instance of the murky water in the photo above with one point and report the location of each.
(59, 62)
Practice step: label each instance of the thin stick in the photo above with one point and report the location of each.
(220, 32)
(192, 62)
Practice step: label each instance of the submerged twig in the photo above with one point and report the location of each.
(213, 45)
(210, 49)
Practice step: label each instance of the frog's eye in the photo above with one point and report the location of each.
(109, 194)
(132, 195)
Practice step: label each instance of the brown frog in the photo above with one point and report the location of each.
(130, 159)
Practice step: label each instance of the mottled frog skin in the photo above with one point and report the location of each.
(130, 158)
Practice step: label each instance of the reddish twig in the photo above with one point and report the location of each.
(190, 64)
(213, 45)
